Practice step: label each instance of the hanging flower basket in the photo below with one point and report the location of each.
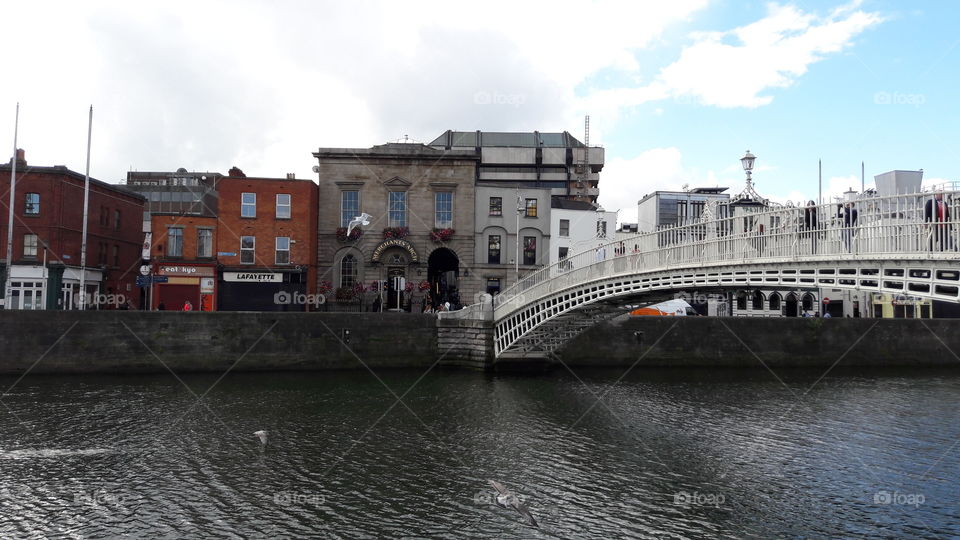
(441, 236)
(408, 288)
(395, 232)
(344, 294)
(325, 287)
(358, 288)
(356, 233)
(424, 286)
(374, 286)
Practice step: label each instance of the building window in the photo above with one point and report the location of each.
(248, 205)
(283, 250)
(174, 242)
(397, 215)
(529, 250)
(531, 208)
(443, 209)
(496, 206)
(564, 227)
(601, 229)
(30, 246)
(104, 216)
(26, 295)
(493, 249)
(283, 206)
(204, 243)
(116, 220)
(758, 301)
(562, 253)
(102, 254)
(349, 206)
(493, 286)
(116, 255)
(247, 247)
(32, 206)
(741, 301)
(348, 271)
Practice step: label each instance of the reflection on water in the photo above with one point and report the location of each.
(665, 454)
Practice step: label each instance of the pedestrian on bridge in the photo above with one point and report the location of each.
(937, 212)
(810, 225)
(849, 215)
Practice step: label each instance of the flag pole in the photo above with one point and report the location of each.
(13, 189)
(86, 208)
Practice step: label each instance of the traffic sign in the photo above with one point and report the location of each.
(826, 300)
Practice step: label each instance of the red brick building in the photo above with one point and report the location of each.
(48, 224)
(267, 252)
(184, 252)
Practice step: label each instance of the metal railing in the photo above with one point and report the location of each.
(899, 226)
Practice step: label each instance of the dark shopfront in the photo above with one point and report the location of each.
(263, 290)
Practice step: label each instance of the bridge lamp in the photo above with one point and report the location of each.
(747, 162)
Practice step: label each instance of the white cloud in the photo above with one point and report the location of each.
(738, 67)
(625, 181)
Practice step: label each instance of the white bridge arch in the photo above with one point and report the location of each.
(891, 247)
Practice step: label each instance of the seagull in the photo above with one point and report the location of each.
(362, 219)
(262, 435)
(508, 500)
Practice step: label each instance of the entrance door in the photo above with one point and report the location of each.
(394, 297)
(792, 306)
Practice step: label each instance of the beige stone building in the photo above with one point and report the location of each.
(421, 203)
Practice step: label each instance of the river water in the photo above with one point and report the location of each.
(665, 454)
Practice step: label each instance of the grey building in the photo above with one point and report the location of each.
(672, 208)
(517, 177)
(180, 192)
(421, 200)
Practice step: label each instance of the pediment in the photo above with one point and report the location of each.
(398, 182)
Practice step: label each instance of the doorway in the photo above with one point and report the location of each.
(395, 293)
(443, 272)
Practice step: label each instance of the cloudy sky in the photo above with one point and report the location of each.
(676, 91)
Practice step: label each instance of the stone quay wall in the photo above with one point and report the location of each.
(464, 343)
(147, 342)
(753, 342)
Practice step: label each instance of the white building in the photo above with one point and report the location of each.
(577, 226)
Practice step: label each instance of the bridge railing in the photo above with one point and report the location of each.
(906, 225)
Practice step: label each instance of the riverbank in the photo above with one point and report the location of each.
(151, 342)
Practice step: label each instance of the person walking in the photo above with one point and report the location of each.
(849, 214)
(936, 212)
(810, 225)
(187, 306)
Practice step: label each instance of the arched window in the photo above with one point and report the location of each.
(741, 301)
(758, 301)
(348, 271)
(775, 302)
(808, 301)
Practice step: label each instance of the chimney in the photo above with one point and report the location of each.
(236, 172)
(291, 176)
(21, 158)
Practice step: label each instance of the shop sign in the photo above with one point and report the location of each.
(253, 277)
(177, 270)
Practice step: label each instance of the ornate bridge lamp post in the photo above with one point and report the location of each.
(747, 162)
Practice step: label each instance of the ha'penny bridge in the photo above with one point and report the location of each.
(895, 245)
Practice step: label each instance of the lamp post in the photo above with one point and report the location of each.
(516, 259)
(747, 162)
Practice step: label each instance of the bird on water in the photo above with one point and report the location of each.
(507, 499)
(262, 435)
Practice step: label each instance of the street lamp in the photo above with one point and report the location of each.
(747, 162)
(601, 225)
(516, 259)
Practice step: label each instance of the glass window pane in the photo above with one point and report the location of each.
(349, 206)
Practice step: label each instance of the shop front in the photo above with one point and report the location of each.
(247, 289)
(183, 287)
